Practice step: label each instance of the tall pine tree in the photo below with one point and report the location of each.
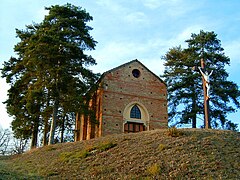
(185, 92)
(51, 71)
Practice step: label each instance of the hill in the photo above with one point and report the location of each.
(158, 154)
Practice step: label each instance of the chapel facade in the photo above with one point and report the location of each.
(129, 98)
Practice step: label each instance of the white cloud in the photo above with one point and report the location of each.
(154, 64)
(41, 13)
(172, 8)
(155, 4)
(186, 33)
(136, 17)
(232, 50)
(111, 6)
(116, 53)
(152, 4)
(149, 52)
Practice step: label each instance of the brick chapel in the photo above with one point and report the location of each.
(129, 98)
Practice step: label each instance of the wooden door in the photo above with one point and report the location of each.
(132, 127)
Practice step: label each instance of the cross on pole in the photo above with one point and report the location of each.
(206, 98)
(206, 87)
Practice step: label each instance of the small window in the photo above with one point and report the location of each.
(136, 73)
(135, 112)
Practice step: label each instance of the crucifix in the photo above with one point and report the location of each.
(206, 78)
(206, 88)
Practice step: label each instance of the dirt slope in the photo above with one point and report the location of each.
(158, 154)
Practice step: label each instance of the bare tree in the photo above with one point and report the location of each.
(5, 137)
(19, 146)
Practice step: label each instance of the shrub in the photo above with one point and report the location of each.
(71, 156)
(174, 132)
(154, 169)
(161, 147)
(105, 146)
(50, 148)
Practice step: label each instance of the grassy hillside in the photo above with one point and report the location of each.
(158, 154)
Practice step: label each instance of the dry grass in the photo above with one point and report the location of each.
(182, 154)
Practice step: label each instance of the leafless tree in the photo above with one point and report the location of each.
(19, 146)
(5, 137)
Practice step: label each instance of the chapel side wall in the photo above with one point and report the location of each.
(80, 127)
(87, 127)
(94, 124)
(98, 110)
(120, 88)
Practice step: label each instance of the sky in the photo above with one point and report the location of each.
(131, 29)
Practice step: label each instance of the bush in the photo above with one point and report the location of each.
(154, 170)
(161, 147)
(174, 132)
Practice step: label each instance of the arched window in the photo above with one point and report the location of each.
(135, 112)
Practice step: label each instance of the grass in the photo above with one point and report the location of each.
(6, 171)
(88, 151)
(158, 154)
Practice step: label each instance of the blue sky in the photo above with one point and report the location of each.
(135, 29)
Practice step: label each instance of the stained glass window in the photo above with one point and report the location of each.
(135, 112)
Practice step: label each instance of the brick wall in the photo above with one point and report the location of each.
(118, 91)
(120, 88)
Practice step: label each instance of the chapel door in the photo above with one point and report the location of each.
(132, 127)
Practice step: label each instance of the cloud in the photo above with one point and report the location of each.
(115, 53)
(154, 64)
(186, 33)
(172, 8)
(136, 17)
(154, 4)
(111, 6)
(232, 50)
(41, 13)
(149, 51)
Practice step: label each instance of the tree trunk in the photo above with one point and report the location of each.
(63, 128)
(46, 126)
(54, 120)
(194, 121)
(194, 112)
(35, 133)
(45, 131)
(35, 128)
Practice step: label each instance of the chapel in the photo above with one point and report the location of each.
(128, 99)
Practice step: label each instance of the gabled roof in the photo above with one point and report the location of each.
(128, 63)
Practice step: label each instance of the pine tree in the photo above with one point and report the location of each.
(185, 92)
(51, 71)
